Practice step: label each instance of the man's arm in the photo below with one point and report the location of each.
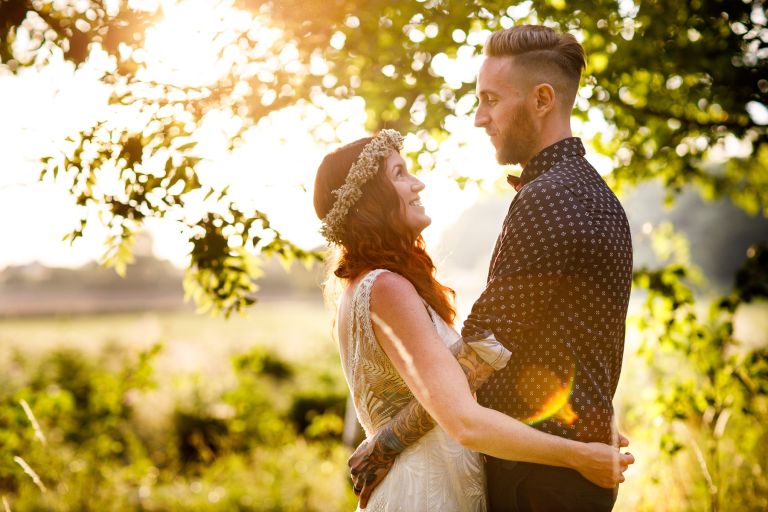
(374, 457)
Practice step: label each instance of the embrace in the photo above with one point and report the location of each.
(543, 344)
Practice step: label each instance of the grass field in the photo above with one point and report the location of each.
(195, 376)
(213, 375)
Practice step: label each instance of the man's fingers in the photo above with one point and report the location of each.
(627, 458)
(623, 441)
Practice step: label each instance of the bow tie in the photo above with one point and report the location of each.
(515, 181)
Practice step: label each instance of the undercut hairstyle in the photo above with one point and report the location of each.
(547, 56)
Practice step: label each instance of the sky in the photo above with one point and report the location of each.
(273, 171)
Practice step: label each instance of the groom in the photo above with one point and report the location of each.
(558, 284)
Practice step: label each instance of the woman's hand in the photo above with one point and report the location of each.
(368, 466)
(603, 464)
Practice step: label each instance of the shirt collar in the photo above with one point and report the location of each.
(545, 159)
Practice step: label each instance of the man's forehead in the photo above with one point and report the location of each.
(495, 73)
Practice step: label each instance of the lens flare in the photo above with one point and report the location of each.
(555, 402)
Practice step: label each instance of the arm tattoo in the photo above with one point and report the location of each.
(413, 421)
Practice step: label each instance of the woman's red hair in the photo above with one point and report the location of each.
(375, 235)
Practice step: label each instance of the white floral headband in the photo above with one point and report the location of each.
(365, 167)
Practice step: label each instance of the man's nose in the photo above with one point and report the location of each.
(481, 118)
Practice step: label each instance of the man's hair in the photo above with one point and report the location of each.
(546, 55)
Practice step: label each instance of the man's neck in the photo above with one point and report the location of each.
(549, 137)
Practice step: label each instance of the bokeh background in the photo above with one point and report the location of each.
(164, 344)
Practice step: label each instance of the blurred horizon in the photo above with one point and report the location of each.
(461, 255)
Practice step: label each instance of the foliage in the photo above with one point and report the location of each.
(678, 84)
(239, 450)
(673, 81)
(709, 392)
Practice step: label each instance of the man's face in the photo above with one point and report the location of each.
(504, 110)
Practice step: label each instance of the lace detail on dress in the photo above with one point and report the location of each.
(434, 474)
(379, 390)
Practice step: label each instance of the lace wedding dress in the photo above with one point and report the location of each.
(434, 474)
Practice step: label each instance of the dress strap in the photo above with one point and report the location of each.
(360, 327)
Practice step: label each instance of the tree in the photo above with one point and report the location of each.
(673, 81)
(710, 389)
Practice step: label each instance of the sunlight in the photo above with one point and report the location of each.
(183, 48)
(195, 44)
(198, 41)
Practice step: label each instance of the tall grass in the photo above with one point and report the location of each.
(140, 426)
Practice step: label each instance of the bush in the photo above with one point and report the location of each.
(265, 443)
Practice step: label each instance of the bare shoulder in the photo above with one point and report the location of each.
(392, 291)
(400, 318)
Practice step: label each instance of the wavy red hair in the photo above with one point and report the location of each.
(375, 234)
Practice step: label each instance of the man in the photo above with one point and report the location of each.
(558, 283)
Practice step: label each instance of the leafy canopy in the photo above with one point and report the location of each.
(675, 81)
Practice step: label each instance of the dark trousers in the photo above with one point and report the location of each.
(526, 487)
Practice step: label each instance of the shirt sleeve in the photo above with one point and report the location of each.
(540, 236)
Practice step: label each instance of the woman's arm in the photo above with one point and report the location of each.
(373, 459)
(406, 334)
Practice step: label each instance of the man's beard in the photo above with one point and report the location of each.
(518, 140)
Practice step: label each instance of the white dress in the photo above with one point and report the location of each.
(434, 474)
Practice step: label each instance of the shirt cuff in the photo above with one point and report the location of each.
(490, 350)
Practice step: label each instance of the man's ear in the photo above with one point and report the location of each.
(544, 98)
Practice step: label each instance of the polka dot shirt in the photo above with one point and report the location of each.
(557, 294)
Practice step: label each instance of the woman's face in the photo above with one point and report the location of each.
(407, 187)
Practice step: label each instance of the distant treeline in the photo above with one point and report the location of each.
(149, 283)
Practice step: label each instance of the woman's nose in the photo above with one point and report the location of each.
(417, 186)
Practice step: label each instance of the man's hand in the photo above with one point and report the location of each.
(604, 465)
(368, 466)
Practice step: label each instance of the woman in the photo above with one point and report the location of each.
(396, 342)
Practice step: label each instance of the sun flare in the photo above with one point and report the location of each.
(197, 42)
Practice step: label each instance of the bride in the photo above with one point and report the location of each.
(396, 342)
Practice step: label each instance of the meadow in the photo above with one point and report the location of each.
(173, 411)
(177, 411)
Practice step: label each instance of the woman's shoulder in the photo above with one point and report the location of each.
(386, 281)
(390, 289)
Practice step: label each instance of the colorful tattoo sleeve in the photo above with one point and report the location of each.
(478, 358)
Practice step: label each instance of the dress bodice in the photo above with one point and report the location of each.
(379, 390)
(434, 474)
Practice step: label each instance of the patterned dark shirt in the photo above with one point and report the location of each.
(557, 294)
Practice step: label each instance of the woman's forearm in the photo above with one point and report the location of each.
(496, 434)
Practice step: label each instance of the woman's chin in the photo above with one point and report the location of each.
(424, 224)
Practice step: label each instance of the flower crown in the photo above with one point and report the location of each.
(365, 167)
